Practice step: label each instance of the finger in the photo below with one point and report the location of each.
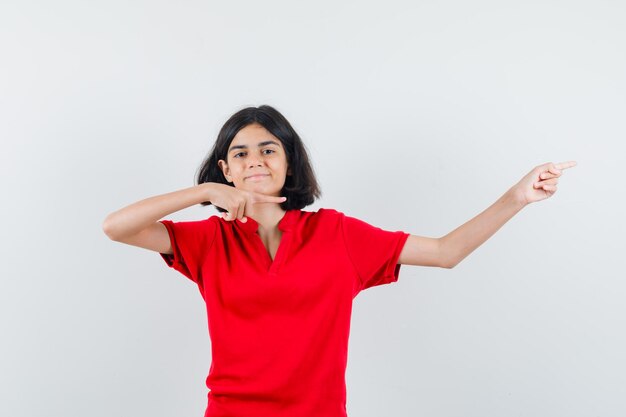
(565, 165)
(262, 198)
(232, 214)
(242, 207)
(539, 184)
(547, 175)
(240, 211)
(554, 170)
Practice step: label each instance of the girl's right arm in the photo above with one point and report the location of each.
(138, 224)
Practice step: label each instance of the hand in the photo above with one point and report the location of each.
(237, 202)
(540, 183)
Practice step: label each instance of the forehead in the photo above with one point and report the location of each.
(252, 135)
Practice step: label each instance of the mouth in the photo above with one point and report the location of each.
(256, 177)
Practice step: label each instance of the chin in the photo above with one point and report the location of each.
(263, 189)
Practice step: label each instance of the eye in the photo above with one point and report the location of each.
(241, 153)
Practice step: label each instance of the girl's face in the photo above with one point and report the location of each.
(256, 161)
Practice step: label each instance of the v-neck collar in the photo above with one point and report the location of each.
(285, 224)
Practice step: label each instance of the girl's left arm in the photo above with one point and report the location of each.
(447, 251)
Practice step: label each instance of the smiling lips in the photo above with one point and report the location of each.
(257, 177)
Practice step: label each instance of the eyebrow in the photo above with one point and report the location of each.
(261, 144)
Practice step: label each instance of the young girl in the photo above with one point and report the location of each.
(278, 281)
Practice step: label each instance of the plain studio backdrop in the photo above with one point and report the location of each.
(417, 116)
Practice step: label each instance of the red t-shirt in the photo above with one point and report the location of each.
(279, 329)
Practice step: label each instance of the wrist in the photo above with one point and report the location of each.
(516, 198)
(207, 191)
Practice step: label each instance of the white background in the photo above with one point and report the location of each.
(417, 115)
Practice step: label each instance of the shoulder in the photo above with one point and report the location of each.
(210, 222)
(192, 227)
(327, 213)
(194, 224)
(323, 215)
(328, 219)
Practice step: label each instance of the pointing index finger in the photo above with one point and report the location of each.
(565, 165)
(262, 198)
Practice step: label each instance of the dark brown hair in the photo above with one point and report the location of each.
(300, 188)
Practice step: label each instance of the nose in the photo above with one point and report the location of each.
(254, 161)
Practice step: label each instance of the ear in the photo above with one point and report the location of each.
(225, 170)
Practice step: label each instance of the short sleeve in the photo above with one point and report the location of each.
(374, 252)
(190, 241)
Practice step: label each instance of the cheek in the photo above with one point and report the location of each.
(280, 167)
(277, 161)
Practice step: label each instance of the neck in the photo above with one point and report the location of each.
(267, 215)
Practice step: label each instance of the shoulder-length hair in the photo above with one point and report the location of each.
(300, 188)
